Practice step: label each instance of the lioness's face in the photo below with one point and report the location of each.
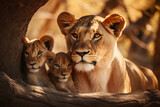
(89, 45)
(35, 53)
(60, 66)
(91, 39)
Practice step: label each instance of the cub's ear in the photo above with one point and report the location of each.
(69, 54)
(114, 22)
(25, 41)
(65, 21)
(50, 57)
(48, 41)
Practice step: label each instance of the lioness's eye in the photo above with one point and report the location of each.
(40, 52)
(96, 36)
(27, 53)
(75, 36)
(57, 65)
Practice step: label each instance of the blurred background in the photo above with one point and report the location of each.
(139, 42)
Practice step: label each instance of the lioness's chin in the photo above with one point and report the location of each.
(84, 67)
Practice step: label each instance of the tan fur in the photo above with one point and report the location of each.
(35, 59)
(99, 66)
(60, 69)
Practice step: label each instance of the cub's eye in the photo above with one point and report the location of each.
(26, 53)
(69, 65)
(75, 36)
(97, 36)
(57, 65)
(39, 53)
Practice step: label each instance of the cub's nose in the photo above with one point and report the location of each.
(82, 53)
(64, 74)
(32, 64)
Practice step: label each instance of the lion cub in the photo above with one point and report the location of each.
(35, 54)
(60, 68)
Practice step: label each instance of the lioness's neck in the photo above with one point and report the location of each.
(99, 78)
(102, 76)
(118, 77)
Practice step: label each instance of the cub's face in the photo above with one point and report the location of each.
(91, 39)
(36, 51)
(60, 66)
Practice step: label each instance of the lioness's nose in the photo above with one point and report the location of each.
(82, 53)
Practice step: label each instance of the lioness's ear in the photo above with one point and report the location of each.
(65, 20)
(114, 22)
(48, 41)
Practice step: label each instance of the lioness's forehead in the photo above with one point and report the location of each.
(87, 21)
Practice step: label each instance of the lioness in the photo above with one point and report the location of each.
(100, 67)
(60, 69)
(35, 59)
